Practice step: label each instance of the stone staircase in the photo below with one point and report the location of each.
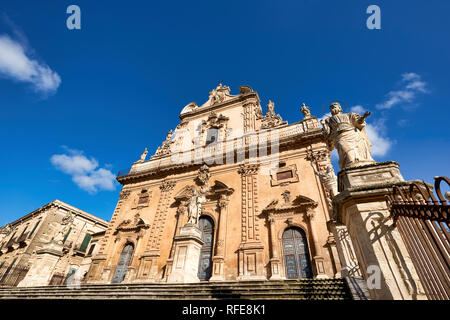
(304, 289)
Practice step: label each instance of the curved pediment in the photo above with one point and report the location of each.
(300, 202)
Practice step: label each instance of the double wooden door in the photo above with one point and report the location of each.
(296, 255)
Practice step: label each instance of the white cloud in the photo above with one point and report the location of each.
(411, 85)
(17, 65)
(84, 171)
(377, 136)
(357, 109)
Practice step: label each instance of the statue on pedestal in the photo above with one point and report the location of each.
(306, 111)
(346, 133)
(194, 206)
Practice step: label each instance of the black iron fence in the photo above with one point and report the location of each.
(12, 275)
(423, 222)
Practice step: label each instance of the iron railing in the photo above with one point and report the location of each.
(423, 222)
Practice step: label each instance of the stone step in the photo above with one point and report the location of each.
(207, 284)
(330, 289)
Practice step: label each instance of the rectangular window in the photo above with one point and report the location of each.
(85, 243)
(91, 249)
(284, 175)
(25, 229)
(143, 199)
(67, 234)
(34, 229)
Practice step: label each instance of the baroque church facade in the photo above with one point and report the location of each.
(233, 194)
(258, 189)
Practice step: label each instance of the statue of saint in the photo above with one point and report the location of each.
(271, 109)
(306, 112)
(195, 206)
(346, 133)
(143, 155)
(328, 179)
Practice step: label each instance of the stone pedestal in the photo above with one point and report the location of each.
(187, 255)
(371, 175)
(42, 269)
(379, 248)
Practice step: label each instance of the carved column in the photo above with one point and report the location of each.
(318, 258)
(180, 217)
(149, 266)
(331, 242)
(219, 250)
(349, 263)
(251, 264)
(275, 264)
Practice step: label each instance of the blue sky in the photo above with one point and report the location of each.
(96, 97)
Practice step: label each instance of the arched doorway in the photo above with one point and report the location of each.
(122, 265)
(295, 253)
(206, 224)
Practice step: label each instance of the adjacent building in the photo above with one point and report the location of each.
(49, 245)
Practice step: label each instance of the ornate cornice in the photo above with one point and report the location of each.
(167, 185)
(248, 169)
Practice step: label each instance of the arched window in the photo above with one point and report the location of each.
(206, 224)
(296, 258)
(122, 265)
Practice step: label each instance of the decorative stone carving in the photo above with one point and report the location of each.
(300, 202)
(6, 230)
(286, 196)
(132, 226)
(164, 149)
(124, 194)
(329, 179)
(271, 120)
(346, 133)
(247, 170)
(143, 155)
(167, 185)
(245, 89)
(214, 121)
(306, 112)
(217, 95)
(68, 218)
(191, 106)
(203, 176)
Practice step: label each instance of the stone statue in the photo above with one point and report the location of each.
(164, 149)
(143, 155)
(59, 237)
(195, 206)
(306, 112)
(346, 133)
(328, 179)
(271, 119)
(271, 109)
(6, 230)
